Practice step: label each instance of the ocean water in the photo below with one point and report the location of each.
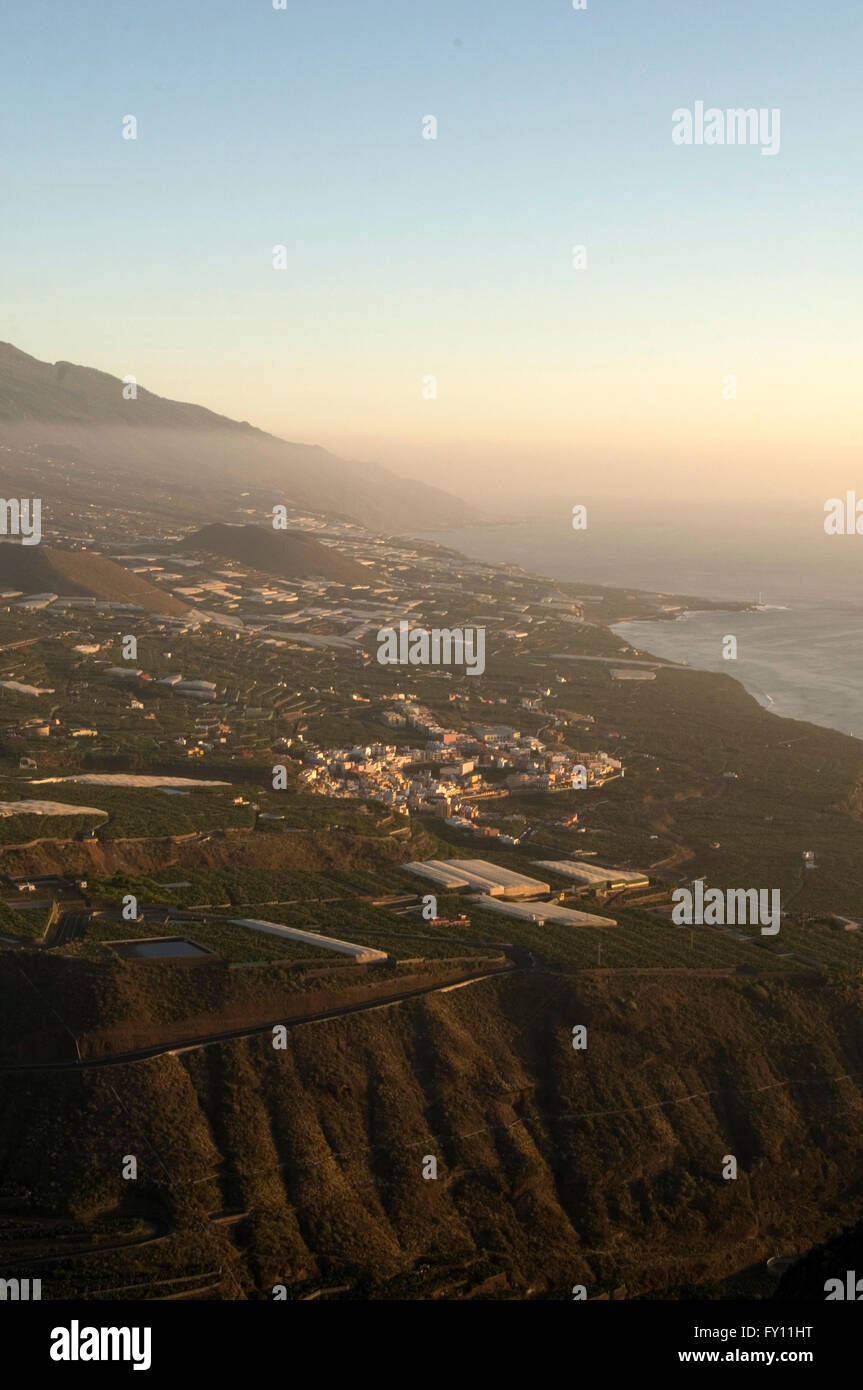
(794, 660)
(800, 654)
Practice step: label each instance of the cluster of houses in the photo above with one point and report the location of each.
(451, 771)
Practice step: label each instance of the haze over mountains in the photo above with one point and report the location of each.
(82, 412)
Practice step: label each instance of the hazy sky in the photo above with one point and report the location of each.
(452, 258)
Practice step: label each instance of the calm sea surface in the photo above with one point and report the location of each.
(801, 655)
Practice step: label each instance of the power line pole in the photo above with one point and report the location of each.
(808, 858)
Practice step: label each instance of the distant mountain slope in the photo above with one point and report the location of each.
(39, 569)
(81, 413)
(284, 553)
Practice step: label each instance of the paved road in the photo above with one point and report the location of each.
(95, 1248)
(118, 1059)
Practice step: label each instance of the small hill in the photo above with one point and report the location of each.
(288, 554)
(37, 569)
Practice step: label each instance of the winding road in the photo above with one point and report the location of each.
(118, 1059)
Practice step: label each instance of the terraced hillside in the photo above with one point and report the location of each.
(304, 1167)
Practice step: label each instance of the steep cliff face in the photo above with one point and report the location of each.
(555, 1166)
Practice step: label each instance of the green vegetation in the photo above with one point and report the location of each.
(301, 1167)
(24, 921)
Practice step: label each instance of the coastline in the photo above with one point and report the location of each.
(793, 652)
(768, 641)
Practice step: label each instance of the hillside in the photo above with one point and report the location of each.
(81, 413)
(808, 1278)
(40, 569)
(288, 554)
(555, 1167)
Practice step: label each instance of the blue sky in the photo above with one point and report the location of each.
(453, 257)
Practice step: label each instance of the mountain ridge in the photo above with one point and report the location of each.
(76, 408)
